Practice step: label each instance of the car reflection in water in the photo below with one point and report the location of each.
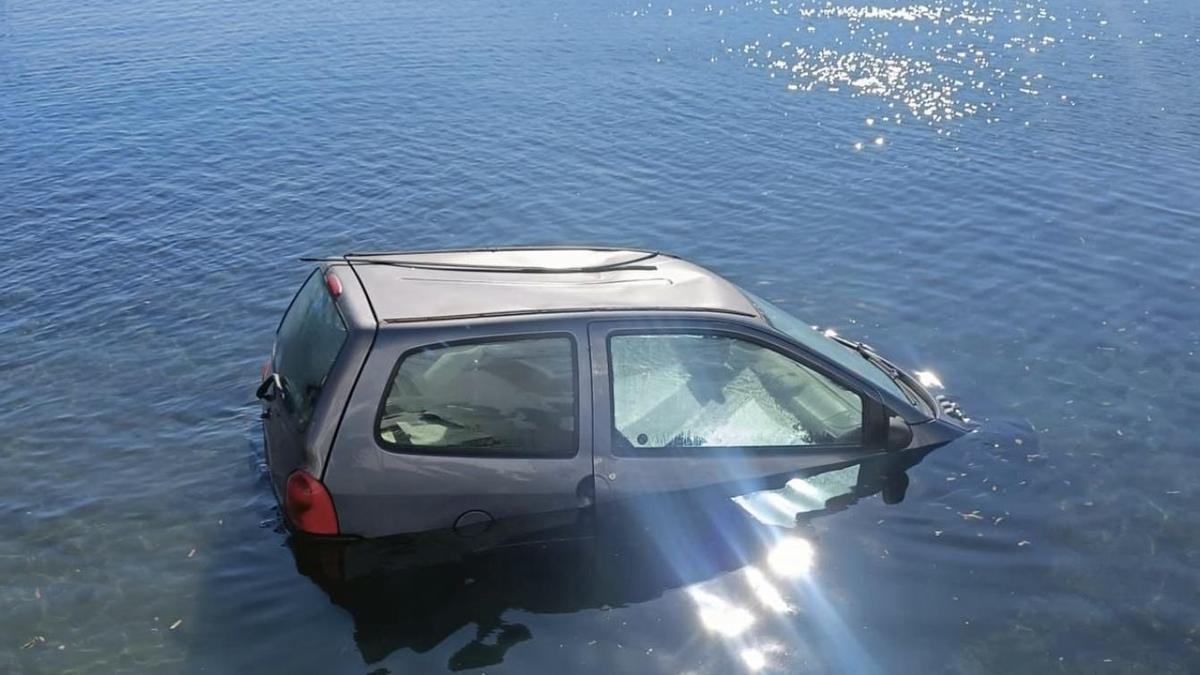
(417, 591)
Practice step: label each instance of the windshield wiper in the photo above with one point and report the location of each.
(864, 350)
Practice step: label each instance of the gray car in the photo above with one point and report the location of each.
(450, 390)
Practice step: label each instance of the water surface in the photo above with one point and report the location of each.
(1003, 191)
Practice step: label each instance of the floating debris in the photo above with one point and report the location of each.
(176, 624)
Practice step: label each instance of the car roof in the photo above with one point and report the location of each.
(438, 285)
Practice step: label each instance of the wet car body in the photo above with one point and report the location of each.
(454, 390)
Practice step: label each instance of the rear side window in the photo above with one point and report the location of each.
(515, 397)
(306, 345)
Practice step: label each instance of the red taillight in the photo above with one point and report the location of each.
(265, 370)
(334, 284)
(309, 506)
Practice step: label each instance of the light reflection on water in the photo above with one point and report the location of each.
(790, 559)
(933, 63)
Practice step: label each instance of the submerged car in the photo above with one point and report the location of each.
(446, 390)
(420, 591)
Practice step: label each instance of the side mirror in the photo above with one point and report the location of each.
(899, 434)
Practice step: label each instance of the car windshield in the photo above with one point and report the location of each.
(814, 340)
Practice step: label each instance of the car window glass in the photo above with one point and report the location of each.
(309, 339)
(699, 390)
(814, 340)
(505, 397)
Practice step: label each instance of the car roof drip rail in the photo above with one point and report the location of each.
(619, 265)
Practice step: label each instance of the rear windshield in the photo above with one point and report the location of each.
(306, 345)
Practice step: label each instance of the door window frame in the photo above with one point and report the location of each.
(484, 453)
(600, 336)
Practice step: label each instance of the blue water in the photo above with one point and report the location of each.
(1003, 191)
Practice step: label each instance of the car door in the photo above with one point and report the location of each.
(688, 404)
(466, 425)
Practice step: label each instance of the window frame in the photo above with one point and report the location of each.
(701, 452)
(459, 452)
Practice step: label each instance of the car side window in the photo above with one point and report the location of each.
(512, 397)
(702, 390)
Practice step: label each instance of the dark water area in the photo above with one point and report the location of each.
(1005, 192)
